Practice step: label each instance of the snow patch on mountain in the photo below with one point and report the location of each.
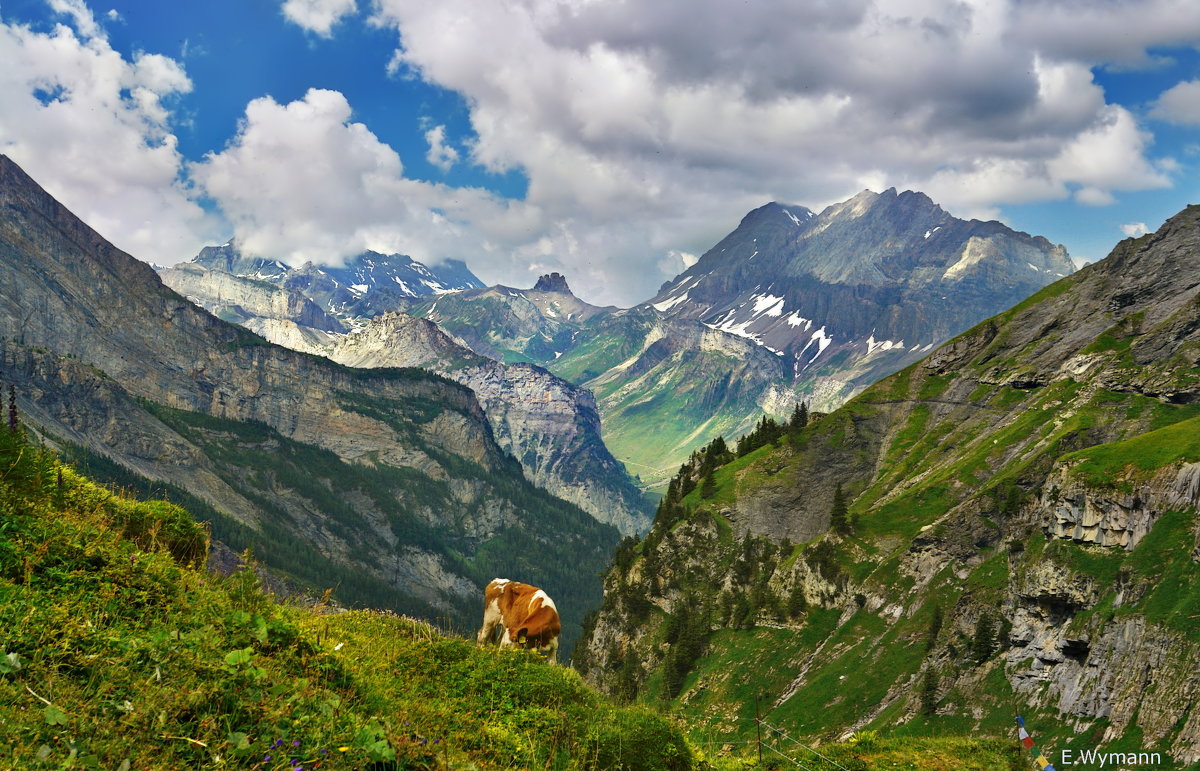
(874, 345)
(821, 339)
(768, 304)
(666, 305)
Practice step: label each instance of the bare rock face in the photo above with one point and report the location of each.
(549, 425)
(237, 298)
(1112, 516)
(552, 282)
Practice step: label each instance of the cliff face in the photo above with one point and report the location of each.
(388, 482)
(238, 299)
(1021, 530)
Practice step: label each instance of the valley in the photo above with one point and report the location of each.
(1008, 521)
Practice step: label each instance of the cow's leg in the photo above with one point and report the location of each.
(491, 619)
(506, 640)
(552, 650)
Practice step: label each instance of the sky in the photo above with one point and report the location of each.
(611, 140)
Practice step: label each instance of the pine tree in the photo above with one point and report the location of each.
(797, 602)
(838, 516)
(935, 627)
(13, 424)
(984, 641)
(629, 675)
(799, 418)
(708, 487)
(929, 688)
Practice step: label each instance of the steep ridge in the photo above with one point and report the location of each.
(1009, 523)
(551, 426)
(386, 483)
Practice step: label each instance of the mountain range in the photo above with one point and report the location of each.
(551, 426)
(386, 484)
(1011, 521)
(790, 307)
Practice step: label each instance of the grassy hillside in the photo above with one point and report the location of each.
(121, 651)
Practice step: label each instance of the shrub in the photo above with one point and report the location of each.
(634, 740)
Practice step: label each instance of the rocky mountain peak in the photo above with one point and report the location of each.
(552, 282)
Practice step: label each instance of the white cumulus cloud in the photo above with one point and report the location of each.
(92, 128)
(650, 126)
(1179, 104)
(1135, 229)
(304, 182)
(440, 154)
(318, 16)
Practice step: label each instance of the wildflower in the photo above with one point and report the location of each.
(343, 749)
(266, 759)
(295, 742)
(278, 743)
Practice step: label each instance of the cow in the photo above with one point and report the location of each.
(526, 615)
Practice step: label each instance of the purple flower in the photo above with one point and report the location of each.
(296, 743)
(277, 742)
(266, 759)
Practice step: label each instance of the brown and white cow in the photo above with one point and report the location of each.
(526, 615)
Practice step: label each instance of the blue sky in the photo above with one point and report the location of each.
(614, 140)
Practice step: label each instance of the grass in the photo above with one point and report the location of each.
(121, 651)
(1116, 464)
(1163, 559)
